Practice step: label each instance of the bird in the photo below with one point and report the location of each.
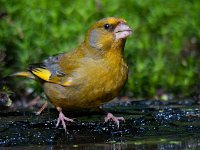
(89, 75)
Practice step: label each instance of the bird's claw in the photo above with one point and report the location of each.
(113, 118)
(62, 119)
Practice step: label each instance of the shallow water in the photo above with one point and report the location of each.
(149, 125)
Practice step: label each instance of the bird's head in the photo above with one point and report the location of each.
(106, 32)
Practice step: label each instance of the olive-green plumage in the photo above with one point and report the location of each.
(94, 81)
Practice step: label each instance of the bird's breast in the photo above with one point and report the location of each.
(103, 81)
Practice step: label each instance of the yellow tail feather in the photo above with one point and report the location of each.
(24, 74)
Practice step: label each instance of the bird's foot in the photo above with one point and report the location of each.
(113, 118)
(62, 119)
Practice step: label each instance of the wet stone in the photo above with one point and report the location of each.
(148, 124)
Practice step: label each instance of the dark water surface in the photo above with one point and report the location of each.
(149, 125)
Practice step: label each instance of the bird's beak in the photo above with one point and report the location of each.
(122, 31)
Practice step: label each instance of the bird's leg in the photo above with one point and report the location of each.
(62, 119)
(42, 108)
(113, 118)
(35, 101)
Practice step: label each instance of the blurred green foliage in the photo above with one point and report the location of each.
(163, 52)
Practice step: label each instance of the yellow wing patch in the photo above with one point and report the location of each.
(42, 73)
(45, 74)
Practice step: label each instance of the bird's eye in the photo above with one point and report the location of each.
(107, 26)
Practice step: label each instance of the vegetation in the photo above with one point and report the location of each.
(163, 53)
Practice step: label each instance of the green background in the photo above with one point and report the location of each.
(163, 53)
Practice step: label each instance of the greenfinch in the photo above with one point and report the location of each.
(88, 76)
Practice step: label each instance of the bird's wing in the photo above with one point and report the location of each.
(50, 71)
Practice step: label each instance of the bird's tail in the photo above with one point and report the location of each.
(25, 74)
